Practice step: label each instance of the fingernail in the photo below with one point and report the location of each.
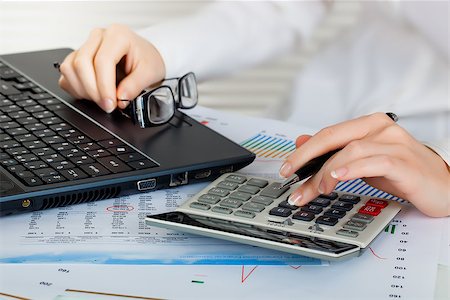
(321, 187)
(338, 173)
(285, 169)
(294, 199)
(109, 105)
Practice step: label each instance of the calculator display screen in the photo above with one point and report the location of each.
(259, 232)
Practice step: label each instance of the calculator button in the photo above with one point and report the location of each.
(350, 198)
(237, 179)
(244, 214)
(249, 189)
(370, 210)
(200, 206)
(258, 182)
(262, 200)
(312, 209)
(228, 185)
(377, 202)
(362, 218)
(222, 210)
(337, 213)
(273, 190)
(342, 205)
(347, 232)
(321, 202)
(286, 204)
(251, 206)
(219, 192)
(304, 216)
(354, 225)
(331, 221)
(208, 199)
(280, 211)
(231, 203)
(240, 196)
(330, 196)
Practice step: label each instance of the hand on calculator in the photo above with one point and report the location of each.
(381, 152)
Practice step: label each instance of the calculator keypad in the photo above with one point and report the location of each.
(246, 197)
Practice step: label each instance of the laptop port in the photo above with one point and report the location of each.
(178, 179)
(147, 184)
(226, 170)
(203, 174)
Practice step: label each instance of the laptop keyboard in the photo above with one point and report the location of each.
(38, 146)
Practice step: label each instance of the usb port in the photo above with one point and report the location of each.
(147, 184)
(178, 179)
(203, 174)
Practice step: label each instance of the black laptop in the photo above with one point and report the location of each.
(57, 151)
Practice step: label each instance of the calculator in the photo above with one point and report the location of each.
(255, 211)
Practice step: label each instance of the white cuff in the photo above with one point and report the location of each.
(442, 148)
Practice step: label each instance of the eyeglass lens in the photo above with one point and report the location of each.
(188, 91)
(160, 105)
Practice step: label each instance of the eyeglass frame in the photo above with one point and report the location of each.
(137, 107)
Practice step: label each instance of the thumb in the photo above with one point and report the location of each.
(131, 86)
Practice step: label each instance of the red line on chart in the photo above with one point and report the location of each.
(243, 277)
(295, 267)
(376, 255)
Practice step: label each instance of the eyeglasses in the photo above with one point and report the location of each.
(157, 106)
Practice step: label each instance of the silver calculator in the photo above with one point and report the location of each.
(255, 211)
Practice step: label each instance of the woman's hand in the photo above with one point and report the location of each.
(90, 72)
(382, 153)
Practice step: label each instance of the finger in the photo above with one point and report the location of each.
(83, 62)
(71, 83)
(393, 170)
(301, 140)
(64, 84)
(334, 168)
(132, 85)
(332, 138)
(110, 52)
(306, 192)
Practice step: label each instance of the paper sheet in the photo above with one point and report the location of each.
(400, 264)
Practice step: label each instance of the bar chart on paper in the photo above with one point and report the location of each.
(269, 147)
(277, 147)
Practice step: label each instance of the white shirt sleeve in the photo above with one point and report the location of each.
(442, 148)
(226, 36)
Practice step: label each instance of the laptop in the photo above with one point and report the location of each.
(57, 151)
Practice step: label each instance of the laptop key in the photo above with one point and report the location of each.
(32, 181)
(98, 153)
(120, 150)
(82, 160)
(110, 143)
(142, 164)
(43, 151)
(27, 120)
(114, 164)
(95, 169)
(128, 157)
(7, 89)
(62, 165)
(41, 96)
(8, 125)
(73, 174)
(54, 179)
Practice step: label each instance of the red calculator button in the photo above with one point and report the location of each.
(370, 210)
(377, 202)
